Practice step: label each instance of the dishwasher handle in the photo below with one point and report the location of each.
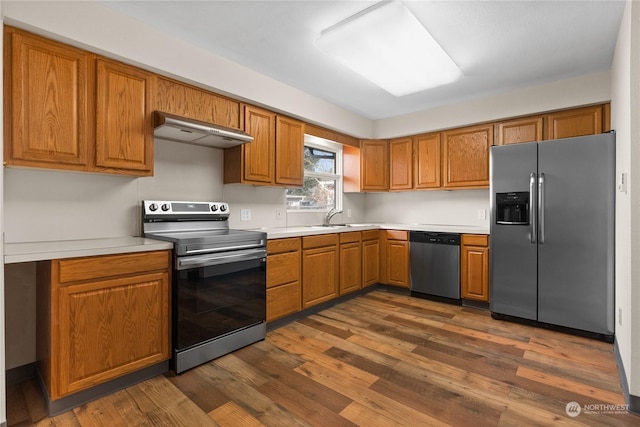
(434, 238)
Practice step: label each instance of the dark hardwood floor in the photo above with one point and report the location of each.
(381, 359)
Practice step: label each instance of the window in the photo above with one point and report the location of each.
(322, 188)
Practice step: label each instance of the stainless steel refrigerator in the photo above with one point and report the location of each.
(552, 232)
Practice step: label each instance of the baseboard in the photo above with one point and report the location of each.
(21, 373)
(55, 407)
(633, 402)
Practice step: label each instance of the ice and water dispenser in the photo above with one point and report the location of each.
(512, 208)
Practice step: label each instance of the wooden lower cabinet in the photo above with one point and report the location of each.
(474, 272)
(99, 318)
(320, 275)
(350, 262)
(395, 258)
(283, 277)
(370, 257)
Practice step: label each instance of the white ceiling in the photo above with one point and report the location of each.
(499, 45)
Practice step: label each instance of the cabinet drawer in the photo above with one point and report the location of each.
(370, 235)
(278, 246)
(397, 235)
(319, 240)
(91, 268)
(283, 268)
(283, 300)
(475, 239)
(353, 236)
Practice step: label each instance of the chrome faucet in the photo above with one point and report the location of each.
(330, 214)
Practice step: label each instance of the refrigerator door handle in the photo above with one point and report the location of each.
(541, 207)
(533, 221)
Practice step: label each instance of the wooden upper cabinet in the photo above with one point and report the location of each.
(528, 129)
(253, 163)
(260, 153)
(289, 152)
(466, 156)
(374, 165)
(577, 122)
(400, 164)
(124, 123)
(47, 98)
(188, 101)
(426, 161)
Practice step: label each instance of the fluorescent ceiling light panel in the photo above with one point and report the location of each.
(387, 45)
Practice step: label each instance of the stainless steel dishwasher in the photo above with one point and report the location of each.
(435, 265)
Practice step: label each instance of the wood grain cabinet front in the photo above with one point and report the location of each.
(474, 270)
(427, 161)
(48, 103)
(274, 157)
(395, 258)
(70, 109)
(374, 165)
(370, 257)
(350, 262)
(283, 277)
(575, 122)
(320, 274)
(124, 121)
(466, 157)
(401, 164)
(96, 322)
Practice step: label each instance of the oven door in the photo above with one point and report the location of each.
(217, 294)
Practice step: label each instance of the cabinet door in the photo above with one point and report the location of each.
(466, 157)
(289, 152)
(350, 267)
(398, 263)
(195, 103)
(474, 274)
(260, 153)
(521, 130)
(283, 268)
(124, 127)
(400, 164)
(374, 165)
(110, 328)
(370, 262)
(319, 275)
(426, 161)
(282, 300)
(49, 123)
(578, 122)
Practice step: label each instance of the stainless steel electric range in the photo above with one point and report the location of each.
(218, 279)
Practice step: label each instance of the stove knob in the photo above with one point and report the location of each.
(223, 208)
(214, 208)
(153, 207)
(165, 207)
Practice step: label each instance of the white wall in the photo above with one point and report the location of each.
(458, 207)
(583, 90)
(625, 118)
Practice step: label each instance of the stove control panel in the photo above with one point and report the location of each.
(185, 210)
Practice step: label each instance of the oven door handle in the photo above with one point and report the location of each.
(258, 244)
(184, 263)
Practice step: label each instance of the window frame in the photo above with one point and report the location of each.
(334, 147)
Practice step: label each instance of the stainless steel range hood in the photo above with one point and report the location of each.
(173, 128)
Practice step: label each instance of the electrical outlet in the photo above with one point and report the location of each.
(348, 213)
(482, 214)
(245, 214)
(279, 214)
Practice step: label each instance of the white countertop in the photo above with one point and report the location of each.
(281, 232)
(40, 251)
